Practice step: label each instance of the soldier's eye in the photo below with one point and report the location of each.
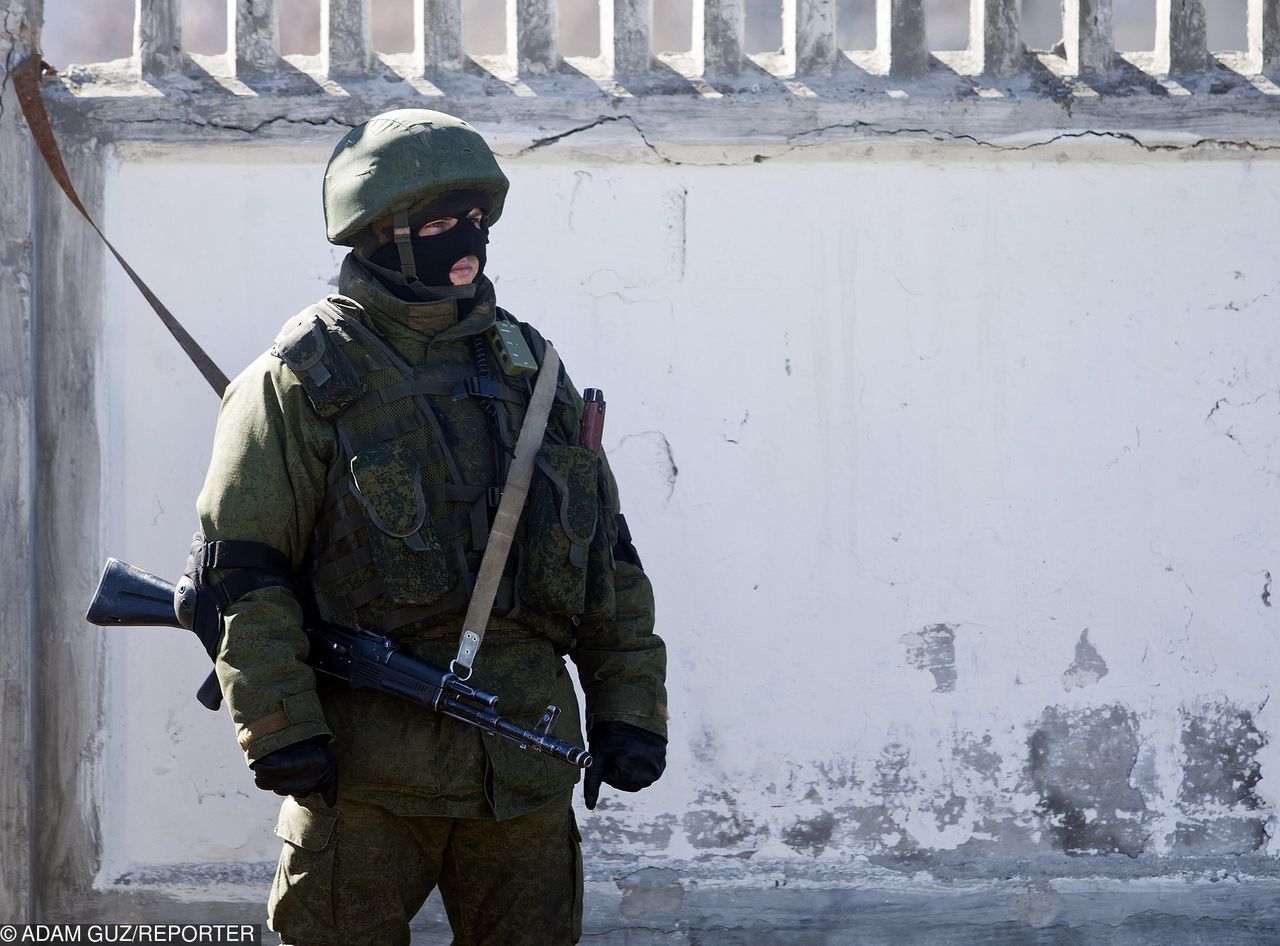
(432, 227)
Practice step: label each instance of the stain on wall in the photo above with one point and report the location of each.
(1220, 772)
(978, 754)
(717, 821)
(933, 648)
(654, 894)
(607, 832)
(810, 835)
(1087, 668)
(1080, 763)
(1230, 836)
(948, 811)
(1221, 745)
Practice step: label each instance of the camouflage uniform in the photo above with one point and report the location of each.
(423, 800)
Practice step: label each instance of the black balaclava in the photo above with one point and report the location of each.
(416, 268)
(434, 256)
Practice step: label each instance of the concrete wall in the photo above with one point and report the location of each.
(954, 473)
(17, 472)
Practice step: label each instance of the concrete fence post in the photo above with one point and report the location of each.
(809, 35)
(437, 31)
(253, 32)
(157, 37)
(1264, 35)
(900, 37)
(717, 31)
(346, 37)
(626, 27)
(531, 36)
(995, 36)
(1087, 36)
(19, 39)
(1182, 46)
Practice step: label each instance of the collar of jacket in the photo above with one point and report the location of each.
(432, 322)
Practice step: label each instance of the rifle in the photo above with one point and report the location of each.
(127, 595)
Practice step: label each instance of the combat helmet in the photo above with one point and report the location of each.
(398, 163)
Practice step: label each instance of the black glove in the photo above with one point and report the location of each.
(302, 768)
(624, 756)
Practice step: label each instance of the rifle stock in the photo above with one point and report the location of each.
(127, 595)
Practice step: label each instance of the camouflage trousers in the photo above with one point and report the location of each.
(356, 875)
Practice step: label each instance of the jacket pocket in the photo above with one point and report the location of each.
(561, 521)
(387, 484)
(308, 828)
(302, 895)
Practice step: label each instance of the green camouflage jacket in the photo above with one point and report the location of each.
(271, 461)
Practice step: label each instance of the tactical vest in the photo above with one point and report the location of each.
(396, 536)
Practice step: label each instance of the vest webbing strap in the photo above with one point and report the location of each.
(451, 603)
(26, 82)
(507, 517)
(340, 568)
(394, 392)
(391, 430)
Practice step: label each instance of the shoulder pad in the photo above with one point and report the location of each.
(310, 346)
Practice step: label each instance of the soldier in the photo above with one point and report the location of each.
(355, 471)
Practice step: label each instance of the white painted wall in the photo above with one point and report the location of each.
(916, 387)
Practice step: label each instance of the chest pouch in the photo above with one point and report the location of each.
(561, 522)
(387, 482)
(400, 542)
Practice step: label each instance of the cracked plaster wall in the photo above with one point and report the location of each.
(954, 470)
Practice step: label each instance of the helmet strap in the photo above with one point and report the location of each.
(400, 228)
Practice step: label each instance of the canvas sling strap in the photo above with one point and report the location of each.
(26, 82)
(507, 517)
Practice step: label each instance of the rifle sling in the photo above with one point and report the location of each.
(26, 82)
(507, 517)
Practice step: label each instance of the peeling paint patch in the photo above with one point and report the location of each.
(1039, 907)
(1219, 836)
(1000, 838)
(651, 893)
(1088, 667)
(837, 775)
(1080, 763)
(978, 755)
(874, 829)
(892, 776)
(604, 833)
(717, 821)
(950, 811)
(810, 835)
(1221, 744)
(934, 649)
